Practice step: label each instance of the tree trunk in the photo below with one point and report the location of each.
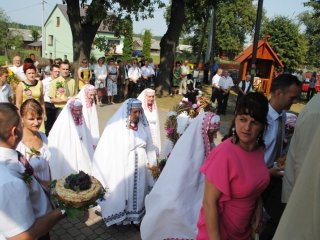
(213, 43)
(168, 46)
(203, 35)
(83, 33)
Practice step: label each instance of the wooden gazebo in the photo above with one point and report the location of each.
(266, 62)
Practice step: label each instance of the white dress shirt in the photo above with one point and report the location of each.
(20, 204)
(134, 74)
(46, 86)
(5, 93)
(147, 71)
(215, 81)
(225, 82)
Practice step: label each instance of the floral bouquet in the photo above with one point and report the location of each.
(28, 92)
(60, 87)
(12, 79)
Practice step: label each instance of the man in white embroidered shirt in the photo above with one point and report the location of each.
(285, 90)
(225, 84)
(25, 209)
(147, 74)
(17, 68)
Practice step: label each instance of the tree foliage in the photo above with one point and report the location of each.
(128, 39)
(234, 21)
(111, 12)
(286, 40)
(146, 47)
(7, 40)
(311, 20)
(4, 24)
(35, 34)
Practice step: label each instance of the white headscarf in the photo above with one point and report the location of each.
(152, 117)
(173, 205)
(89, 112)
(111, 156)
(71, 145)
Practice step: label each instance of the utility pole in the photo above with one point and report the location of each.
(253, 70)
(43, 33)
(207, 59)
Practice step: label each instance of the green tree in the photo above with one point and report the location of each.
(4, 24)
(128, 39)
(84, 28)
(286, 40)
(146, 47)
(235, 22)
(8, 41)
(35, 34)
(311, 19)
(101, 43)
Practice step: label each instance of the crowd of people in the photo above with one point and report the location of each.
(205, 190)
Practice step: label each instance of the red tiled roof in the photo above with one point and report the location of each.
(247, 53)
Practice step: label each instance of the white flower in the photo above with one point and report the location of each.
(182, 122)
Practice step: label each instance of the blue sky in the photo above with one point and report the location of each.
(29, 12)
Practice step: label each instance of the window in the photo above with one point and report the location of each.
(113, 43)
(112, 46)
(58, 22)
(50, 40)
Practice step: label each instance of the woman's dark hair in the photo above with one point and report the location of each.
(254, 104)
(27, 66)
(31, 105)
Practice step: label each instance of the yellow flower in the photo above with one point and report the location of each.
(12, 77)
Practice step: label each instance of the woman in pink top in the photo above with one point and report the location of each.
(235, 175)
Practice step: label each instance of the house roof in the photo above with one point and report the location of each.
(138, 43)
(25, 33)
(63, 8)
(35, 44)
(247, 53)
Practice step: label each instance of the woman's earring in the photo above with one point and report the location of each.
(234, 139)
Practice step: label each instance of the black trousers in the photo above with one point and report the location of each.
(310, 93)
(224, 102)
(132, 90)
(216, 95)
(51, 117)
(58, 111)
(273, 206)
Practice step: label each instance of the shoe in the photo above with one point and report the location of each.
(98, 211)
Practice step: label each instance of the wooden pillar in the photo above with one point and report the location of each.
(270, 80)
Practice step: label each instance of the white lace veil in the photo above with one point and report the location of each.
(89, 112)
(71, 146)
(174, 203)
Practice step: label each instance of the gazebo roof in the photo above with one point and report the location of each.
(262, 46)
